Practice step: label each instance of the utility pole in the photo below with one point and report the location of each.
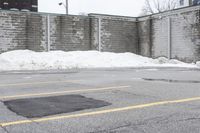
(191, 2)
(169, 39)
(66, 7)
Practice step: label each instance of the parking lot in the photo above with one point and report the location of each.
(124, 100)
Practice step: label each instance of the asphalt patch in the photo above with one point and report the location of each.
(45, 106)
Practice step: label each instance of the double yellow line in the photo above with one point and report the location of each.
(99, 112)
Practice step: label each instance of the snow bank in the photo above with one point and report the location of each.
(198, 63)
(29, 60)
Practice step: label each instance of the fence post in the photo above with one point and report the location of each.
(169, 38)
(99, 28)
(48, 33)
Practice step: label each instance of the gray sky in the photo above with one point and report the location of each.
(114, 7)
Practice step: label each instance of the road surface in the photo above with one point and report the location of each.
(148, 100)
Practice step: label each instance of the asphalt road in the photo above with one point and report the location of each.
(141, 100)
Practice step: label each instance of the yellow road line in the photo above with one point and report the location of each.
(38, 83)
(98, 112)
(61, 92)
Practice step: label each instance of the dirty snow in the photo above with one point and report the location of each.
(29, 60)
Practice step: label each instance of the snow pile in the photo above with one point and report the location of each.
(29, 60)
(198, 63)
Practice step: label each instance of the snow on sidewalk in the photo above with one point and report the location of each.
(29, 60)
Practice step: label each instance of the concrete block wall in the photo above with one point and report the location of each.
(22, 30)
(148, 35)
(66, 33)
(184, 39)
(36, 32)
(94, 33)
(119, 36)
(145, 36)
(186, 36)
(160, 37)
(12, 31)
(26, 30)
(69, 33)
(117, 33)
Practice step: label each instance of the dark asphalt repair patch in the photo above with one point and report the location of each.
(45, 106)
(172, 81)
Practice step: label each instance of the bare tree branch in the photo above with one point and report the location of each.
(157, 6)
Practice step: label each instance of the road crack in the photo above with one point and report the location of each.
(189, 119)
(112, 130)
(4, 129)
(156, 120)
